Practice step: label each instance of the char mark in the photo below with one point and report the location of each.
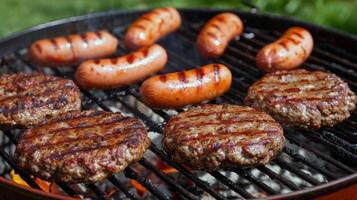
(182, 77)
(99, 35)
(54, 43)
(114, 61)
(283, 44)
(130, 58)
(145, 52)
(199, 74)
(217, 27)
(96, 62)
(146, 18)
(222, 19)
(212, 35)
(139, 26)
(162, 78)
(298, 34)
(84, 38)
(293, 41)
(216, 70)
(38, 47)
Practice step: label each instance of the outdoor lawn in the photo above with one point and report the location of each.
(17, 15)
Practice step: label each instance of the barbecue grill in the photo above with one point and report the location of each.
(313, 163)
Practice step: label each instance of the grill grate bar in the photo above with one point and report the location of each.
(296, 171)
(231, 184)
(274, 175)
(302, 159)
(246, 174)
(331, 160)
(167, 179)
(113, 179)
(130, 173)
(97, 191)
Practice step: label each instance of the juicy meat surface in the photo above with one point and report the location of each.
(28, 99)
(212, 137)
(301, 98)
(82, 147)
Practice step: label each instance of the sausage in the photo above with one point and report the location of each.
(72, 49)
(175, 90)
(121, 71)
(286, 53)
(217, 33)
(152, 26)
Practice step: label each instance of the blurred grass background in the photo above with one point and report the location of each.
(16, 15)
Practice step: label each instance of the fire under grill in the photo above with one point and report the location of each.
(312, 162)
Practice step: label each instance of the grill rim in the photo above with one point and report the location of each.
(6, 44)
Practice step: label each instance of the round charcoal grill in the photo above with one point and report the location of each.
(313, 163)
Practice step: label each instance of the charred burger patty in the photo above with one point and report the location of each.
(212, 137)
(306, 99)
(28, 99)
(82, 147)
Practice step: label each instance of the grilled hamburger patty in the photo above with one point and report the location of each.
(82, 147)
(306, 99)
(27, 99)
(212, 137)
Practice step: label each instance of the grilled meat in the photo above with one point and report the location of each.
(82, 147)
(27, 99)
(213, 137)
(302, 98)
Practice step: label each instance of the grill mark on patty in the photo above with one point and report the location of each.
(242, 111)
(35, 92)
(117, 127)
(57, 156)
(55, 100)
(248, 133)
(301, 99)
(79, 126)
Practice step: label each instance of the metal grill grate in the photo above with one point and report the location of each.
(310, 158)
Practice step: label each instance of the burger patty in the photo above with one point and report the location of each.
(27, 99)
(82, 147)
(300, 98)
(215, 137)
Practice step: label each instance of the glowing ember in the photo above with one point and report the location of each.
(141, 189)
(44, 185)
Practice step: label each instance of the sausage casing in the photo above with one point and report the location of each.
(286, 53)
(121, 71)
(152, 26)
(72, 49)
(175, 90)
(217, 33)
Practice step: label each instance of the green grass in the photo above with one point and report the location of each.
(17, 15)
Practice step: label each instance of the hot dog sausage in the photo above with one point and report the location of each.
(152, 26)
(72, 49)
(216, 34)
(121, 71)
(288, 52)
(175, 90)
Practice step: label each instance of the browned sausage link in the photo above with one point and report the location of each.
(288, 52)
(216, 34)
(179, 89)
(152, 26)
(72, 49)
(121, 71)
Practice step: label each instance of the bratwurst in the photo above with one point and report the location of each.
(175, 90)
(121, 71)
(152, 26)
(216, 34)
(72, 49)
(288, 52)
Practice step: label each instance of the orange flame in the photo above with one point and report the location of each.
(141, 189)
(44, 185)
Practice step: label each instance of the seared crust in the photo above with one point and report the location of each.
(302, 98)
(82, 147)
(212, 137)
(27, 99)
